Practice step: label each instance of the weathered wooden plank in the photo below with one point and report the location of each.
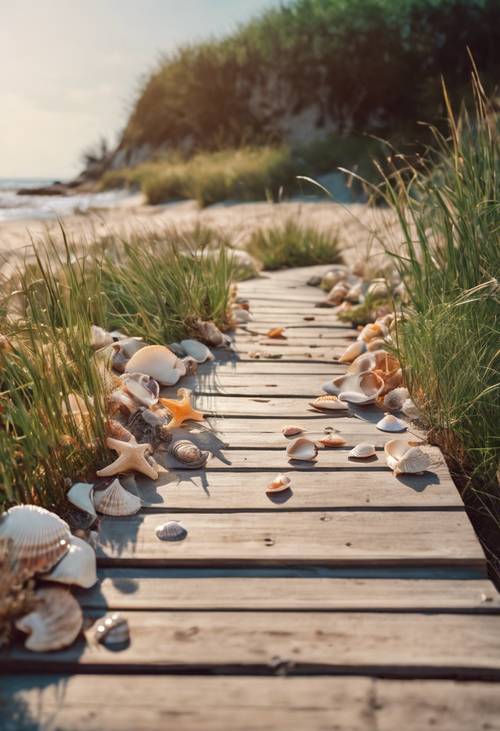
(387, 644)
(241, 368)
(242, 341)
(299, 355)
(256, 385)
(381, 538)
(132, 702)
(189, 490)
(122, 589)
(301, 334)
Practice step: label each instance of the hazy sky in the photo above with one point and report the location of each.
(70, 69)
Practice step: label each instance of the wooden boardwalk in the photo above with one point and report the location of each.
(357, 601)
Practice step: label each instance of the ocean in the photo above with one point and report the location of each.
(15, 207)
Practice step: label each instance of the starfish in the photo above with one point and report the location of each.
(131, 456)
(181, 410)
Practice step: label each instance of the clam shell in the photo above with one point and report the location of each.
(332, 440)
(81, 496)
(395, 399)
(302, 449)
(156, 361)
(331, 278)
(291, 430)
(197, 350)
(278, 484)
(338, 293)
(112, 630)
(171, 531)
(39, 538)
(353, 351)
(389, 422)
(404, 458)
(77, 567)
(409, 409)
(143, 388)
(358, 388)
(188, 454)
(330, 403)
(362, 451)
(55, 623)
(115, 500)
(99, 337)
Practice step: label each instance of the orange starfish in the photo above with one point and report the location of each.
(181, 410)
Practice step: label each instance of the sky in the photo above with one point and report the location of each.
(70, 70)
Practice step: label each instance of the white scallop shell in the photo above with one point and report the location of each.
(171, 531)
(362, 451)
(353, 351)
(389, 422)
(39, 538)
(199, 351)
(278, 484)
(81, 496)
(395, 399)
(143, 388)
(156, 361)
(54, 623)
(115, 500)
(77, 567)
(112, 630)
(330, 403)
(302, 449)
(404, 458)
(291, 430)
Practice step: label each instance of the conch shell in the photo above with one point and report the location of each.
(158, 362)
(404, 458)
(115, 500)
(55, 623)
(302, 449)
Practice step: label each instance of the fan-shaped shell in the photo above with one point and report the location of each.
(362, 451)
(278, 484)
(329, 403)
(404, 458)
(302, 449)
(362, 388)
(112, 630)
(353, 351)
(395, 399)
(78, 566)
(171, 531)
(156, 361)
(55, 623)
(115, 500)
(143, 388)
(291, 430)
(389, 422)
(189, 454)
(81, 495)
(199, 351)
(39, 538)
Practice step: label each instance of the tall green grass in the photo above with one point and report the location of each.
(448, 342)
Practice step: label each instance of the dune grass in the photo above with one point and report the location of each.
(291, 243)
(448, 342)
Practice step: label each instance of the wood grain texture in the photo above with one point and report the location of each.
(387, 644)
(186, 703)
(233, 384)
(353, 538)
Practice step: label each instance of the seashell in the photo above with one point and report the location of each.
(314, 280)
(371, 331)
(410, 410)
(171, 531)
(188, 454)
(146, 426)
(376, 344)
(378, 289)
(404, 458)
(337, 294)
(291, 430)
(121, 401)
(116, 430)
(392, 379)
(362, 451)
(386, 320)
(190, 365)
(358, 388)
(112, 630)
(330, 403)
(210, 333)
(81, 496)
(279, 484)
(241, 316)
(197, 350)
(123, 350)
(39, 538)
(302, 449)
(115, 500)
(276, 332)
(355, 293)
(389, 422)
(352, 351)
(177, 349)
(331, 278)
(54, 623)
(143, 388)
(156, 361)
(132, 457)
(99, 337)
(332, 440)
(77, 567)
(395, 399)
